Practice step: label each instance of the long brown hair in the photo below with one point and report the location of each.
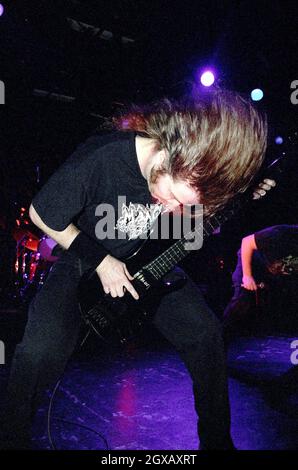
(215, 142)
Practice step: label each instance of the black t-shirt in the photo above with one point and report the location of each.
(278, 242)
(100, 170)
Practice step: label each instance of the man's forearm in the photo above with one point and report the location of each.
(248, 246)
(72, 239)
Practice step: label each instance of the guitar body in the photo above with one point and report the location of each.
(121, 318)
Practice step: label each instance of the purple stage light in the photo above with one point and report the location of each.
(279, 140)
(125, 123)
(1, 9)
(207, 78)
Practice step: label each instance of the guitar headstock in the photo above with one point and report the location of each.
(270, 174)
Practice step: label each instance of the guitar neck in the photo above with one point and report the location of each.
(178, 251)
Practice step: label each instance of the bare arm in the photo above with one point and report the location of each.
(113, 274)
(248, 246)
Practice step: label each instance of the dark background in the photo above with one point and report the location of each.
(64, 80)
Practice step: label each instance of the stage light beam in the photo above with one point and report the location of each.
(207, 78)
(257, 94)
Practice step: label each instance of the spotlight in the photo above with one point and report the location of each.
(207, 78)
(257, 94)
(279, 140)
(1, 9)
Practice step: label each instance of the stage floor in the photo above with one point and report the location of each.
(142, 399)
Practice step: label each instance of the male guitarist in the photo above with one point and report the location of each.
(174, 154)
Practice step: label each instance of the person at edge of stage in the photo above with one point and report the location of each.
(266, 260)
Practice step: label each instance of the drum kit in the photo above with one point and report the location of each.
(33, 259)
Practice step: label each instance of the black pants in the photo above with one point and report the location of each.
(182, 317)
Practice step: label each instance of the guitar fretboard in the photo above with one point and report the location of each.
(176, 252)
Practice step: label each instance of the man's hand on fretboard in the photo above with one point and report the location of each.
(262, 189)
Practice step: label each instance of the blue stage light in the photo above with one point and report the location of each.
(257, 94)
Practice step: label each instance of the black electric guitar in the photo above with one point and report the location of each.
(121, 317)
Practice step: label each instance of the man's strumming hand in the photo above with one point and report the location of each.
(115, 277)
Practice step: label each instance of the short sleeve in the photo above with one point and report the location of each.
(64, 195)
(268, 241)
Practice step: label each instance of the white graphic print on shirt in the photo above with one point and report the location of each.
(137, 219)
